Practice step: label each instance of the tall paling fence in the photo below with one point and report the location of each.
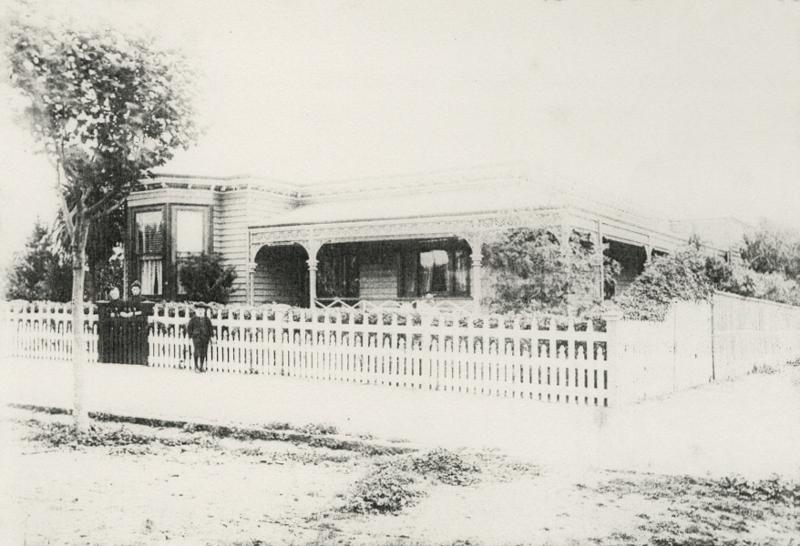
(43, 330)
(655, 358)
(545, 358)
(750, 333)
(725, 338)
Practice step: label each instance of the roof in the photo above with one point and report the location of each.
(484, 198)
(448, 193)
(722, 232)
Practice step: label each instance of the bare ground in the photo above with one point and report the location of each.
(146, 485)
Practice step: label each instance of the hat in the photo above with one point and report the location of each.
(137, 284)
(201, 305)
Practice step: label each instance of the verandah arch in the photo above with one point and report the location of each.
(281, 275)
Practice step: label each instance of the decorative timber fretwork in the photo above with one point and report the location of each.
(461, 226)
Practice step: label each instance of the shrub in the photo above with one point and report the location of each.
(206, 279)
(745, 281)
(528, 270)
(665, 279)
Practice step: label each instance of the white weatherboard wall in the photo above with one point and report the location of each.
(378, 277)
(235, 211)
(230, 237)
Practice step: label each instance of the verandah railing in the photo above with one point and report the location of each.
(538, 357)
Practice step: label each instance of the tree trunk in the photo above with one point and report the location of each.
(80, 412)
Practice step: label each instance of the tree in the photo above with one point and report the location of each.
(529, 270)
(205, 278)
(106, 109)
(39, 273)
(772, 250)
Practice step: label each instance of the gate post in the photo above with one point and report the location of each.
(614, 359)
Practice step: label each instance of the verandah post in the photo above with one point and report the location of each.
(475, 242)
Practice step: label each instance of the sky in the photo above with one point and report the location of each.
(691, 108)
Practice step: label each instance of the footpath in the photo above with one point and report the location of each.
(750, 426)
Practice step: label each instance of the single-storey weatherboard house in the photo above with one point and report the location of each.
(372, 240)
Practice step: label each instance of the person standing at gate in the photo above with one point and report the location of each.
(136, 294)
(200, 330)
(114, 303)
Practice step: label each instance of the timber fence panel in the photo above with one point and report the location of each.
(43, 330)
(749, 333)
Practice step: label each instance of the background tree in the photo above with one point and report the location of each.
(105, 257)
(691, 275)
(529, 271)
(205, 278)
(106, 109)
(39, 272)
(771, 249)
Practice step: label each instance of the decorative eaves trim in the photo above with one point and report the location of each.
(443, 226)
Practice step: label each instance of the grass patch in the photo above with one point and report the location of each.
(765, 369)
(318, 429)
(771, 490)
(56, 434)
(446, 467)
(711, 511)
(313, 435)
(397, 483)
(387, 489)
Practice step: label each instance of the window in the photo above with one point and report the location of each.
(338, 273)
(441, 269)
(189, 236)
(149, 250)
(189, 228)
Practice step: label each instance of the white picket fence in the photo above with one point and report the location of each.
(542, 358)
(43, 330)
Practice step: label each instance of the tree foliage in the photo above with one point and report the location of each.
(530, 271)
(38, 272)
(691, 275)
(744, 281)
(106, 109)
(206, 278)
(771, 249)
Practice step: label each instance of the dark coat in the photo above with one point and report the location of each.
(199, 328)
